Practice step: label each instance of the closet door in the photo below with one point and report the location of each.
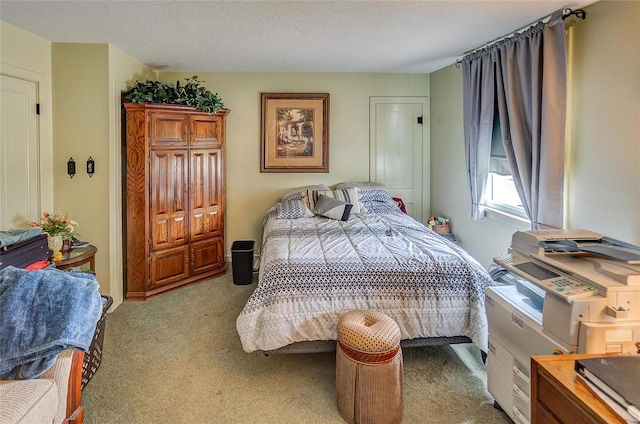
(169, 200)
(19, 153)
(205, 193)
(399, 150)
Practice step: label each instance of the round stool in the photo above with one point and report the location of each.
(369, 368)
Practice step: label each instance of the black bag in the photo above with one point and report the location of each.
(25, 253)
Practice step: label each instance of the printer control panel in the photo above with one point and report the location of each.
(559, 285)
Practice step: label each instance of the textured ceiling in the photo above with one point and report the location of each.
(282, 36)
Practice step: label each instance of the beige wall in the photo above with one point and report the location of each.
(604, 157)
(26, 56)
(87, 81)
(251, 193)
(605, 154)
(81, 129)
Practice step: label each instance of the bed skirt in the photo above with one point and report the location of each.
(318, 346)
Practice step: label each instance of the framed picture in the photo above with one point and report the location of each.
(295, 132)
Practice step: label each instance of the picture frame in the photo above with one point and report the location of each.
(294, 132)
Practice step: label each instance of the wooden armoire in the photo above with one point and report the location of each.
(173, 197)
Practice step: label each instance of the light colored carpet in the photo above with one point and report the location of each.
(178, 359)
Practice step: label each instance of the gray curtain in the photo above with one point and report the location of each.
(528, 83)
(479, 100)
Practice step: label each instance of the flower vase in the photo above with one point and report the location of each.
(55, 243)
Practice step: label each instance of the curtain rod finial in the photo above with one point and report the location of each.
(578, 13)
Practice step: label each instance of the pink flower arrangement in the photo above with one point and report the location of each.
(57, 224)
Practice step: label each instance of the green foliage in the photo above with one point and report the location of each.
(189, 94)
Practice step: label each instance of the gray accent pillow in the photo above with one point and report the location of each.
(293, 209)
(330, 207)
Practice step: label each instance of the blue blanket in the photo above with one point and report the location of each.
(43, 313)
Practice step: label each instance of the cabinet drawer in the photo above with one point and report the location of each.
(543, 416)
(558, 404)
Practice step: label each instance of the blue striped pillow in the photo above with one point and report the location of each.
(349, 195)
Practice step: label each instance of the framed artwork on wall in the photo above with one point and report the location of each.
(294, 132)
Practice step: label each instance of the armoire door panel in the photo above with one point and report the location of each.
(168, 231)
(169, 266)
(214, 211)
(206, 130)
(198, 225)
(206, 256)
(214, 178)
(178, 230)
(169, 198)
(214, 224)
(205, 175)
(160, 232)
(168, 129)
(169, 186)
(199, 175)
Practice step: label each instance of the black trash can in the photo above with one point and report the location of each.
(242, 261)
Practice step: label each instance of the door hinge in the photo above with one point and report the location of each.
(149, 260)
(37, 108)
(149, 283)
(420, 120)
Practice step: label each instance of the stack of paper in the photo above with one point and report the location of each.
(616, 380)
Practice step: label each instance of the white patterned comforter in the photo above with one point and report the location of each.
(314, 269)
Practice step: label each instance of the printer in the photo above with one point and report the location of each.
(567, 291)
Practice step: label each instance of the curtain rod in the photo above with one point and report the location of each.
(580, 13)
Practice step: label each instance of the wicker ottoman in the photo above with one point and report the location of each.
(369, 368)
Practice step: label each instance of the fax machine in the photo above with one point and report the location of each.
(571, 291)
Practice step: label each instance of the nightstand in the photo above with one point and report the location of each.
(78, 257)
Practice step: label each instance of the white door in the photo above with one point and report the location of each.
(19, 161)
(399, 149)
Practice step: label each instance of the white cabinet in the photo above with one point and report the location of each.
(515, 334)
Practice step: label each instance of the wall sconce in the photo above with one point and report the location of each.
(71, 167)
(91, 166)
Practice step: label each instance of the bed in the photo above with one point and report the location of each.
(315, 266)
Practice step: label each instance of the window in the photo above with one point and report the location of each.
(501, 193)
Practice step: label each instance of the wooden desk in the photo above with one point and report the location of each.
(559, 396)
(78, 257)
